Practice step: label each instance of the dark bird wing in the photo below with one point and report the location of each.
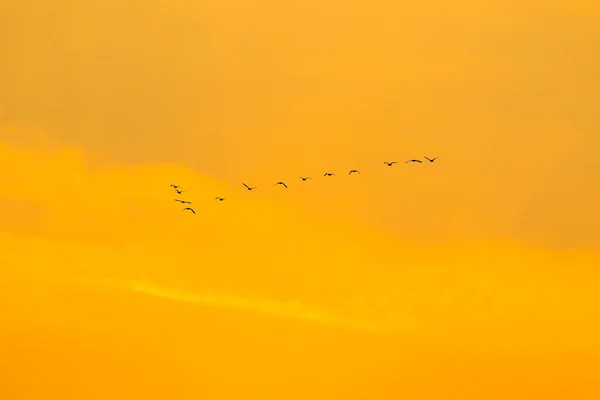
(247, 187)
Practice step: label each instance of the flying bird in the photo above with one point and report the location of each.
(248, 187)
(220, 198)
(189, 208)
(304, 177)
(414, 161)
(353, 170)
(282, 184)
(179, 191)
(432, 159)
(328, 174)
(389, 164)
(175, 186)
(183, 201)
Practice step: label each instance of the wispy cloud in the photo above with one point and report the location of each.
(284, 309)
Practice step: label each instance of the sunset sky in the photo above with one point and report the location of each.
(475, 277)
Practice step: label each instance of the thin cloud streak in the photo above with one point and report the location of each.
(284, 309)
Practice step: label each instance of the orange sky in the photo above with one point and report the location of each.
(471, 278)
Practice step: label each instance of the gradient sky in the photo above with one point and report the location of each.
(475, 277)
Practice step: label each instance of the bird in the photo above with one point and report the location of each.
(179, 191)
(304, 177)
(248, 187)
(414, 161)
(183, 201)
(175, 186)
(432, 159)
(328, 174)
(220, 198)
(189, 208)
(282, 184)
(353, 170)
(389, 163)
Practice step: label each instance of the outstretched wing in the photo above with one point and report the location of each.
(247, 187)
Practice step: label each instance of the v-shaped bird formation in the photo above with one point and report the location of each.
(179, 190)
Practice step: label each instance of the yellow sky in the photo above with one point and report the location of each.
(474, 277)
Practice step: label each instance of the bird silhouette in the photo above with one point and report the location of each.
(248, 187)
(389, 163)
(183, 201)
(328, 174)
(220, 198)
(414, 161)
(179, 191)
(189, 208)
(175, 186)
(353, 170)
(304, 177)
(432, 159)
(282, 184)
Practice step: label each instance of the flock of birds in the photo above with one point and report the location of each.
(179, 190)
